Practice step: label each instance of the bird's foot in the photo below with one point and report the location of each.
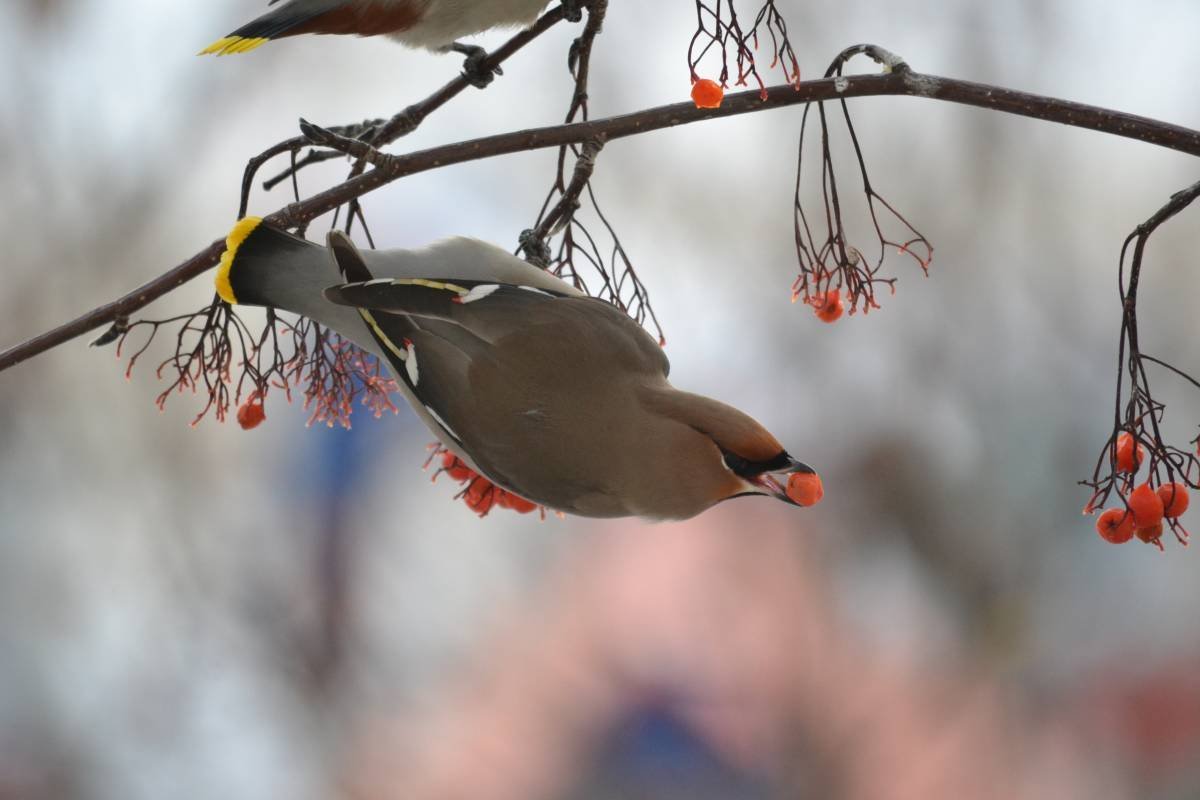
(475, 70)
(537, 252)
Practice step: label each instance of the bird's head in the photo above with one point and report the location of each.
(729, 454)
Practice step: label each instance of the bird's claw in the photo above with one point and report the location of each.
(477, 73)
(537, 252)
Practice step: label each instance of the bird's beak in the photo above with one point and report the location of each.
(775, 483)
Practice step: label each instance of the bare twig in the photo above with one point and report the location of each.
(831, 264)
(580, 63)
(719, 29)
(380, 132)
(595, 263)
(391, 168)
(568, 203)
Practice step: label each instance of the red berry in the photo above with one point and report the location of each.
(1127, 461)
(827, 305)
(515, 502)
(480, 496)
(805, 488)
(250, 414)
(1115, 525)
(1174, 498)
(1151, 533)
(484, 505)
(707, 94)
(1147, 507)
(455, 468)
(476, 490)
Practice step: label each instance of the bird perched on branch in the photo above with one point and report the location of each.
(554, 396)
(432, 24)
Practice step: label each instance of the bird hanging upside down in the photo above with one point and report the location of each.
(554, 396)
(431, 24)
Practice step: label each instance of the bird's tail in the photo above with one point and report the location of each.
(265, 266)
(287, 20)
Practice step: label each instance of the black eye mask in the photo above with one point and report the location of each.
(752, 469)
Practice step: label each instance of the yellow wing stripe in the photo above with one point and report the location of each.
(369, 318)
(383, 337)
(231, 45)
(428, 284)
(233, 241)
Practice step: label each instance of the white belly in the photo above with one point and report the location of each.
(447, 21)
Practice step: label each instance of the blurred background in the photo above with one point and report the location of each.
(300, 612)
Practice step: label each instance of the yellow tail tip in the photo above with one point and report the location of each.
(241, 231)
(232, 44)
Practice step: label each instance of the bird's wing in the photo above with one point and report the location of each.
(489, 310)
(464, 258)
(515, 322)
(522, 378)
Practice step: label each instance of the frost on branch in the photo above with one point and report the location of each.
(1136, 453)
(832, 267)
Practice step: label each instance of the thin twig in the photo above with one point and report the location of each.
(533, 242)
(391, 168)
(569, 201)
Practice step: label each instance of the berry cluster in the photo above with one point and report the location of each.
(1147, 508)
(480, 494)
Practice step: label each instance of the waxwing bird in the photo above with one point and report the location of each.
(431, 24)
(557, 397)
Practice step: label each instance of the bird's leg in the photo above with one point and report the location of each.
(573, 9)
(473, 67)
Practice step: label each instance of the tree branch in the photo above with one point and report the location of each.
(900, 81)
